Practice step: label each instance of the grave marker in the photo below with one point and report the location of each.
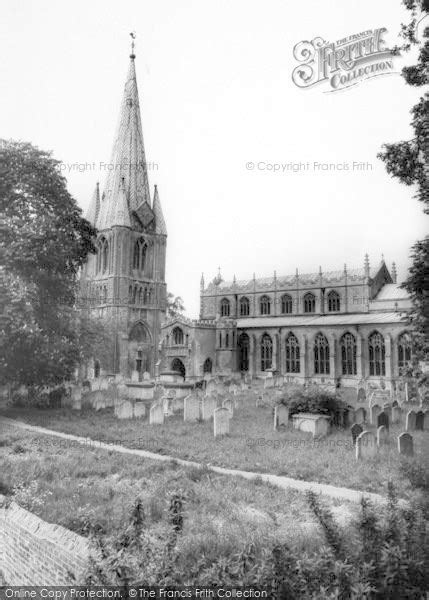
(281, 415)
(356, 430)
(383, 420)
(374, 411)
(405, 444)
(124, 409)
(366, 445)
(382, 435)
(420, 420)
(156, 414)
(221, 421)
(191, 408)
(208, 407)
(396, 414)
(360, 415)
(410, 421)
(139, 410)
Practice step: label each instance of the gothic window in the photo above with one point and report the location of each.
(286, 304)
(321, 355)
(244, 307)
(265, 305)
(130, 293)
(333, 302)
(208, 365)
(376, 352)
(96, 369)
(227, 340)
(105, 295)
(178, 366)
(145, 296)
(292, 354)
(139, 254)
(177, 336)
(348, 354)
(243, 344)
(135, 294)
(309, 303)
(225, 307)
(220, 339)
(404, 351)
(102, 255)
(266, 352)
(139, 360)
(138, 333)
(140, 295)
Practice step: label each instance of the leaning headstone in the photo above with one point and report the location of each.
(356, 430)
(139, 410)
(382, 435)
(221, 421)
(374, 411)
(383, 420)
(366, 445)
(405, 444)
(361, 395)
(156, 414)
(208, 407)
(360, 415)
(420, 420)
(124, 409)
(281, 415)
(410, 420)
(191, 408)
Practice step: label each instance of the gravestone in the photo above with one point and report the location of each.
(410, 421)
(366, 445)
(191, 408)
(211, 386)
(167, 406)
(124, 409)
(268, 383)
(383, 420)
(221, 421)
(374, 411)
(356, 430)
(122, 390)
(420, 420)
(139, 410)
(426, 420)
(156, 414)
(208, 407)
(281, 415)
(360, 415)
(350, 416)
(361, 395)
(396, 414)
(382, 435)
(405, 444)
(146, 376)
(229, 405)
(134, 376)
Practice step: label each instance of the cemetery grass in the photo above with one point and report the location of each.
(77, 486)
(252, 445)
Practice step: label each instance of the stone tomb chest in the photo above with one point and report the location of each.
(318, 425)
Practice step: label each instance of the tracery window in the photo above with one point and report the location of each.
(139, 254)
(321, 355)
(348, 354)
(404, 350)
(309, 303)
(177, 336)
(292, 354)
(265, 305)
(286, 304)
(244, 345)
(376, 352)
(266, 352)
(225, 307)
(333, 302)
(244, 307)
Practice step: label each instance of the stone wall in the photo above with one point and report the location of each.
(33, 552)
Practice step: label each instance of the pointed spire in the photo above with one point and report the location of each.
(160, 226)
(394, 273)
(234, 280)
(94, 206)
(121, 215)
(382, 258)
(345, 269)
(202, 281)
(366, 265)
(128, 160)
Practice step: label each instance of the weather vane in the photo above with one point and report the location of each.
(133, 37)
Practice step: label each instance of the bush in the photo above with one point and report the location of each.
(315, 400)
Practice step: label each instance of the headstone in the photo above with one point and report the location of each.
(281, 415)
(221, 420)
(146, 376)
(426, 420)
(366, 445)
(211, 386)
(361, 395)
(383, 420)
(420, 420)
(208, 407)
(396, 414)
(124, 409)
(374, 411)
(410, 420)
(191, 407)
(405, 444)
(156, 414)
(167, 406)
(356, 430)
(360, 415)
(229, 405)
(269, 382)
(139, 410)
(122, 390)
(134, 376)
(350, 416)
(382, 435)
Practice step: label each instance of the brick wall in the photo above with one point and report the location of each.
(33, 552)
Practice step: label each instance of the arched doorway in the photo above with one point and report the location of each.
(178, 366)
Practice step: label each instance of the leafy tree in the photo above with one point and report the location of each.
(409, 162)
(44, 242)
(175, 305)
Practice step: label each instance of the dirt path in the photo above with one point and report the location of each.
(338, 493)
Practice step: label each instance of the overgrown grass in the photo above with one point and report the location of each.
(252, 445)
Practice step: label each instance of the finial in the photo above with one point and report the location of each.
(366, 265)
(345, 268)
(382, 258)
(275, 274)
(234, 279)
(320, 270)
(296, 272)
(133, 37)
(394, 273)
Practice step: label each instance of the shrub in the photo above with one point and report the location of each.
(315, 400)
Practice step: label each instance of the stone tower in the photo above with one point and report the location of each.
(125, 281)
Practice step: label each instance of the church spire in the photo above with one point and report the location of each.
(127, 167)
(94, 206)
(160, 226)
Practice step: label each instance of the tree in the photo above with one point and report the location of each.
(175, 306)
(44, 243)
(409, 162)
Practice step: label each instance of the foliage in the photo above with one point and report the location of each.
(45, 241)
(29, 496)
(384, 556)
(314, 399)
(175, 306)
(408, 161)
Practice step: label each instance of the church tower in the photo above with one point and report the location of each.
(125, 280)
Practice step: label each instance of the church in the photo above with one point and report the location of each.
(329, 327)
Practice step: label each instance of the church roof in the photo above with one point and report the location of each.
(127, 168)
(344, 320)
(160, 226)
(392, 291)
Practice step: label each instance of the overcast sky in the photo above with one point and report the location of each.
(216, 93)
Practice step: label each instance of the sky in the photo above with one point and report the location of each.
(216, 93)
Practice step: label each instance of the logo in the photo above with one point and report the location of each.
(344, 63)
